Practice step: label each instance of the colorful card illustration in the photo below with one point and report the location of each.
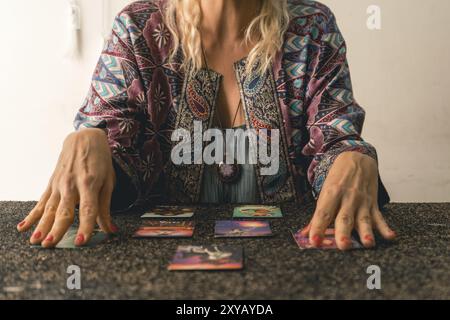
(207, 258)
(170, 212)
(165, 229)
(257, 211)
(242, 229)
(68, 241)
(329, 242)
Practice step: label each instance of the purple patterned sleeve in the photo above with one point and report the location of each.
(335, 120)
(115, 100)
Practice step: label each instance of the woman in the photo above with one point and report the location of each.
(257, 64)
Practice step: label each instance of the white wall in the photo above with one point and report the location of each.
(400, 76)
(40, 91)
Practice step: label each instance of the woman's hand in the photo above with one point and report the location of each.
(349, 197)
(84, 175)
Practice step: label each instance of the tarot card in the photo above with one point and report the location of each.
(165, 229)
(170, 212)
(68, 240)
(242, 229)
(257, 212)
(329, 242)
(211, 257)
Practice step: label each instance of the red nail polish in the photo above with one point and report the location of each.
(317, 240)
(79, 240)
(22, 224)
(114, 228)
(368, 238)
(345, 239)
(392, 233)
(37, 235)
(49, 238)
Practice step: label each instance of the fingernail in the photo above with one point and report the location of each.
(37, 235)
(20, 225)
(317, 240)
(345, 239)
(392, 233)
(368, 238)
(114, 228)
(79, 240)
(49, 238)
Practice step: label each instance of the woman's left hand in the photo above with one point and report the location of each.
(349, 196)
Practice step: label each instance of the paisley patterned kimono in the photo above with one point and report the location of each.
(139, 97)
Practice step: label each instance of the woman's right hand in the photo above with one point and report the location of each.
(84, 176)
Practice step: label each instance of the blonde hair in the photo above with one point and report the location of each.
(183, 18)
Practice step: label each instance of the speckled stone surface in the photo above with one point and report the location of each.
(416, 266)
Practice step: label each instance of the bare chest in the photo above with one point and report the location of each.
(229, 112)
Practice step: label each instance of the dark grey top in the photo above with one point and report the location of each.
(242, 191)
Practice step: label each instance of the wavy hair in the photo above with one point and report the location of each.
(183, 17)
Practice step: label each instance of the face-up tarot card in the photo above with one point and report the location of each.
(207, 258)
(68, 241)
(242, 229)
(329, 242)
(170, 212)
(165, 229)
(257, 212)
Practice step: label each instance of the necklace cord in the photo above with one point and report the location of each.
(210, 81)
